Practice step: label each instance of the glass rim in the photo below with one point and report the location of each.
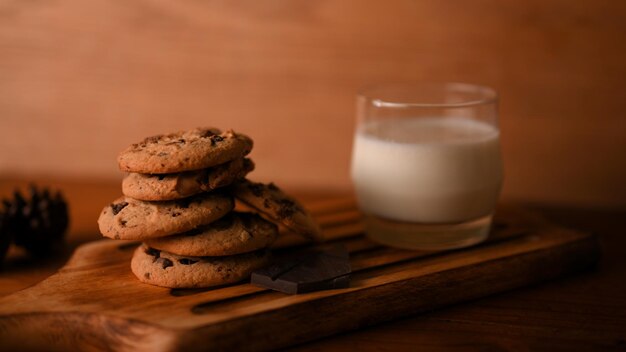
(488, 94)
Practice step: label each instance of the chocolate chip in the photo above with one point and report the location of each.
(256, 189)
(287, 208)
(161, 177)
(162, 154)
(184, 203)
(273, 187)
(175, 214)
(223, 223)
(153, 252)
(176, 143)
(206, 133)
(123, 223)
(246, 219)
(117, 207)
(203, 178)
(186, 261)
(216, 138)
(166, 263)
(153, 139)
(146, 275)
(194, 232)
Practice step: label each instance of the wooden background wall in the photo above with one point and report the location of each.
(80, 80)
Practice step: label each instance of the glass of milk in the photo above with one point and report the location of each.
(426, 164)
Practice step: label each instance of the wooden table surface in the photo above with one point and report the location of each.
(583, 312)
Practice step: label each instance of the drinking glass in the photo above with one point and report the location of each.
(426, 163)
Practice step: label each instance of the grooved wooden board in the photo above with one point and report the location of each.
(95, 303)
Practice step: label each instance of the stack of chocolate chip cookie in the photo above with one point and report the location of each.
(179, 199)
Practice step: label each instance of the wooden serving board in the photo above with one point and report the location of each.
(95, 303)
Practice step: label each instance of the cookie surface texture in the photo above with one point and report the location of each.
(278, 206)
(155, 187)
(234, 233)
(161, 268)
(196, 149)
(131, 219)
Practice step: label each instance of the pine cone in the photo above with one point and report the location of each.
(38, 223)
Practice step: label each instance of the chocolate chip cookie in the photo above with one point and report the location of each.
(175, 186)
(161, 268)
(234, 233)
(278, 206)
(131, 219)
(196, 149)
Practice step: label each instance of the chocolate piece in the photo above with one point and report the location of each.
(256, 189)
(166, 263)
(187, 261)
(153, 252)
(152, 139)
(185, 203)
(216, 138)
(207, 133)
(319, 269)
(116, 208)
(287, 208)
(203, 178)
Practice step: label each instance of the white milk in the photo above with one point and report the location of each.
(427, 170)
